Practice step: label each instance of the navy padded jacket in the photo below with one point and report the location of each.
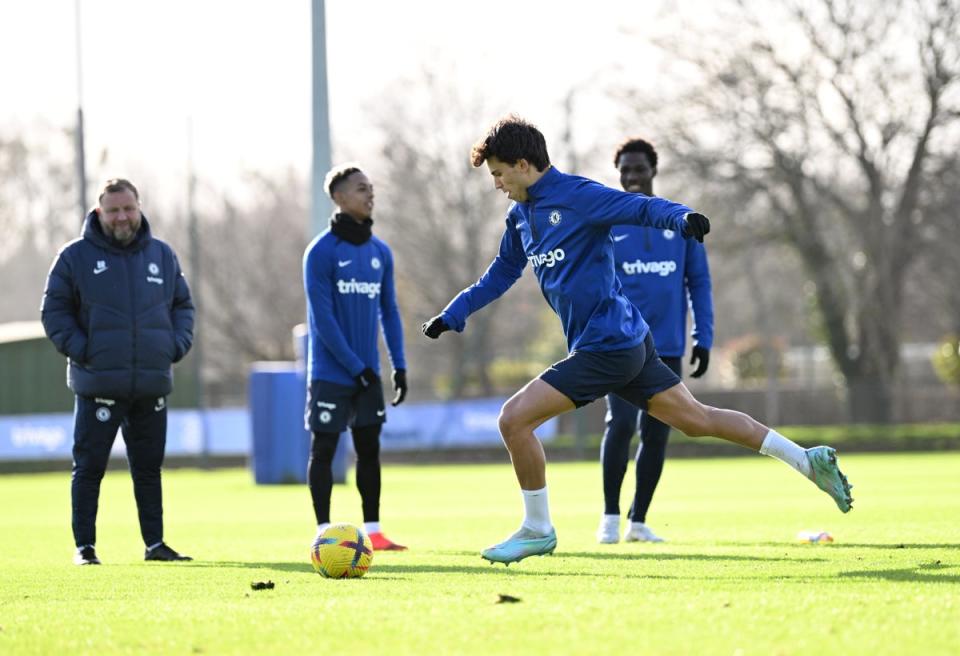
(121, 314)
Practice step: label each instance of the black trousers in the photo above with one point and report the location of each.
(143, 423)
(614, 452)
(323, 446)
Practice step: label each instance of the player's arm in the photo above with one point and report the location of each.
(59, 310)
(604, 206)
(393, 329)
(390, 315)
(181, 313)
(699, 289)
(505, 269)
(318, 283)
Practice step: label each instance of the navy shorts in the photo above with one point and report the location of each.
(331, 408)
(634, 374)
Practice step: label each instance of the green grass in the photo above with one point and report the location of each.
(731, 580)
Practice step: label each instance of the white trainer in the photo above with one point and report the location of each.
(609, 529)
(640, 532)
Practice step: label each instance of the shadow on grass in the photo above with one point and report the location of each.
(844, 545)
(920, 574)
(593, 555)
(653, 555)
(304, 568)
(385, 569)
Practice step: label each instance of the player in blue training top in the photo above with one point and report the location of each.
(348, 279)
(661, 274)
(561, 224)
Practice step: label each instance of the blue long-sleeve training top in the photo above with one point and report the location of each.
(350, 291)
(563, 231)
(662, 274)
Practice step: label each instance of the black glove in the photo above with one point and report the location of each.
(366, 378)
(434, 327)
(399, 386)
(696, 225)
(703, 355)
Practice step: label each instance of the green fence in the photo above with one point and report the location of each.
(33, 376)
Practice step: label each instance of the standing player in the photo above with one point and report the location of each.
(348, 279)
(659, 272)
(560, 224)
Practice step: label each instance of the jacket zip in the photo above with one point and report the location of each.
(533, 224)
(133, 325)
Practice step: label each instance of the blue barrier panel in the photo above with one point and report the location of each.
(272, 431)
(50, 436)
(281, 443)
(449, 425)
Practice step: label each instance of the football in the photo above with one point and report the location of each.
(343, 551)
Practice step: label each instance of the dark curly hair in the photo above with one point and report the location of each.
(636, 146)
(510, 140)
(338, 175)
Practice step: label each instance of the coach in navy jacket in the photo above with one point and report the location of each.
(117, 305)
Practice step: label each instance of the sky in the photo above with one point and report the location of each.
(227, 85)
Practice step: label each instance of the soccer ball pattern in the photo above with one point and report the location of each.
(343, 551)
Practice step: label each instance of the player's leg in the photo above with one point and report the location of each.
(677, 407)
(534, 404)
(366, 444)
(621, 425)
(320, 474)
(579, 379)
(659, 390)
(521, 414)
(368, 422)
(651, 454)
(327, 415)
(94, 429)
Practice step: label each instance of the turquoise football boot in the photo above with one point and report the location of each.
(521, 544)
(828, 477)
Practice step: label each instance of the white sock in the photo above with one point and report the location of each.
(322, 527)
(371, 527)
(611, 520)
(785, 450)
(536, 511)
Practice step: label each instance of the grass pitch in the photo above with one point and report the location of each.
(732, 579)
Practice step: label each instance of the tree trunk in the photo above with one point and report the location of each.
(869, 400)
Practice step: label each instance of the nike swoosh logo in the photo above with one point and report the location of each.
(97, 272)
(620, 237)
(380, 413)
(343, 263)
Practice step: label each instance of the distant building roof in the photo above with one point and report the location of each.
(19, 331)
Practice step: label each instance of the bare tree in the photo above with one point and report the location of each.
(252, 282)
(443, 220)
(940, 270)
(37, 215)
(836, 140)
